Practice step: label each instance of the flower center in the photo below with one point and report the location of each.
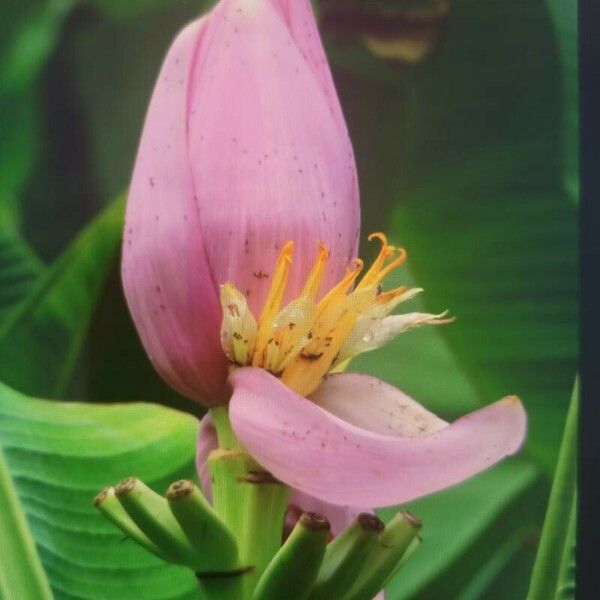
(309, 338)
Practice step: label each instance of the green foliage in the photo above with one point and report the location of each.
(564, 17)
(29, 33)
(19, 270)
(61, 455)
(118, 9)
(553, 574)
(463, 159)
(21, 572)
(466, 147)
(468, 530)
(41, 336)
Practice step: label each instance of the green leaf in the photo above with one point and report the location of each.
(421, 362)
(30, 33)
(469, 166)
(40, 338)
(21, 572)
(465, 529)
(19, 270)
(565, 587)
(507, 270)
(564, 18)
(117, 9)
(60, 455)
(552, 566)
(138, 45)
(18, 149)
(31, 41)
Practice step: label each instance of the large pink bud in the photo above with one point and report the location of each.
(244, 148)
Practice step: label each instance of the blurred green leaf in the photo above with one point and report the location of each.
(117, 62)
(468, 528)
(18, 148)
(116, 364)
(20, 268)
(463, 151)
(553, 573)
(120, 10)
(41, 337)
(60, 456)
(31, 39)
(564, 17)
(29, 33)
(507, 270)
(421, 363)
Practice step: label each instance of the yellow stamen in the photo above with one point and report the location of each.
(393, 265)
(273, 302)
(307, 370)
(386, 251)
(313, 283)
(306, 339)
(339, 291)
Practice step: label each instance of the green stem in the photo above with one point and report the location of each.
(21, 571)
(226, 436)
(249, 501)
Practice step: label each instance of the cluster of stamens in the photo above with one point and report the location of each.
(310, 337)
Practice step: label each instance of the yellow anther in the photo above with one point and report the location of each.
(274, 298)
(313, 283)
(370, 277)
(339, 292)
(393, 265)
(378, 235)
(306, 339)
(305, 373)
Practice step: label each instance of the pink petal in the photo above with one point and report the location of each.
(270, 161)
(324, 456)
(339, 516)
(168, 285)
(372, 404)
(300, 19)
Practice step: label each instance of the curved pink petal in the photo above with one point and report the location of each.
(168, 285)
(270, 161)
(340, 517)
(372, 404)
(313, 450)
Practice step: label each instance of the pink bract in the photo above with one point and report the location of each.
(364, 443)
(244, 147)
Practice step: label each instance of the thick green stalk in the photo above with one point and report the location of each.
(250, 501)
(227, 438)
(21, 571)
